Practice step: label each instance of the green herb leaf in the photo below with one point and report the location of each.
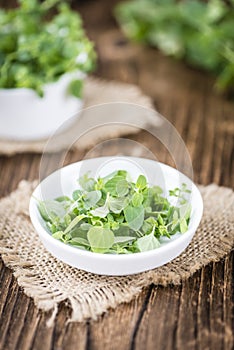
(51, 209)
(111, 185)
(141, 182)
(124, 239)
(101, 211)
(79, 241)
(134, 217)
(74, 222)
(116, 205)
(77, 194)
(137, 199)
(76, 88)
(183, 225)
(148, 242)
(185, 211)
(87, 183)
(122, 187)
(58, 235)
(100, 239)
(92, 198)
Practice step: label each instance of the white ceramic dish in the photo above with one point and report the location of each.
(64, 181)
(26, 116)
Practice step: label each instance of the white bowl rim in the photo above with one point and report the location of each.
(116, 257)
(25, 90)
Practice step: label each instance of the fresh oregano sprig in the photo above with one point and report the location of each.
(115, 215)
(39, 42)
(199, 32)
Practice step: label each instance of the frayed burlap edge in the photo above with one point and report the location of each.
(97, 91)
(49, 281)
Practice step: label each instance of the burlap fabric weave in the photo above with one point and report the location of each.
(96, 91)
(49, 281)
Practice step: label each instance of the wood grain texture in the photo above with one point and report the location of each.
(199, 314)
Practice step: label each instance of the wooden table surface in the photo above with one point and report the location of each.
(198, 314)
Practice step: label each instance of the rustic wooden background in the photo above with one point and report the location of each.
(199, 314)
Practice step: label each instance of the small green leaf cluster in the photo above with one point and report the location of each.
(35, 50)
(116, 215)
(200, 32)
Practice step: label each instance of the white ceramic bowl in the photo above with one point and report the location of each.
(26, 116)
(64, 181)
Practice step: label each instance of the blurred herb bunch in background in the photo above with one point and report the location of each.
(41, 41)
(201, 33)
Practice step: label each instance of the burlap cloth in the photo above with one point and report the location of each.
(96, 91)
(49, 281)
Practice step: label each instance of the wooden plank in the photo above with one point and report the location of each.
(16, 323)
(116, 330)
(216, 307)
(31, 322)
(203, 309)
(43, 336)
(5, 282)
(187, 323)
(7, 312)
(158, 325)
(228, 300)
(75, 337)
